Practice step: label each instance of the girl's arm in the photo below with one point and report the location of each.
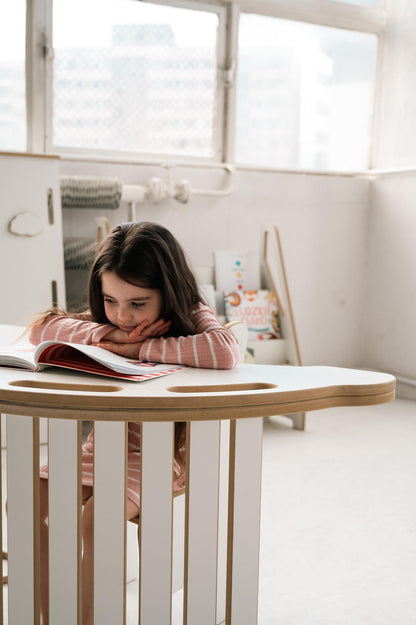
(211, 347)
(60, 327)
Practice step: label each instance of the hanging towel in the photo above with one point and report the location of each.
(79, 253)
(90, 192)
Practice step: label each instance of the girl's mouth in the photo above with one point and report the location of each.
(127, 329)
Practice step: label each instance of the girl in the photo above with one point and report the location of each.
(145, 304)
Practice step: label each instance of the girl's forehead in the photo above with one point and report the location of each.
(113, 285)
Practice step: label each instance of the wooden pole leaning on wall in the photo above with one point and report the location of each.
(275, 275)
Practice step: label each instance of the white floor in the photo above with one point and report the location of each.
(338, 541)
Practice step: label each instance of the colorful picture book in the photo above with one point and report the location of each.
(258, 310)
(78, 357)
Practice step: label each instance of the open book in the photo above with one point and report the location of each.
(78, 357)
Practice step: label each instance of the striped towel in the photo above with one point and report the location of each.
(90, 192)
(79, 253)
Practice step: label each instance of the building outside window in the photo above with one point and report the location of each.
(144, 81)
(305, 95)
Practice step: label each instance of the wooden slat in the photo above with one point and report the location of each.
(201, 523)
(109, 522)
(156, 524)
(244, 521)
(64, 515)
(22, 456)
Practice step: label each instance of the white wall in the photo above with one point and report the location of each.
(391, 295)
(323, 223)
(390, 302)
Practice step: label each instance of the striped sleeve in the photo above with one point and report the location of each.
(211, 347)
(62, 328)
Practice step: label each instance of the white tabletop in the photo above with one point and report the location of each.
(248, 390)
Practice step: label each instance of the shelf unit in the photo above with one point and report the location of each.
(274, 277)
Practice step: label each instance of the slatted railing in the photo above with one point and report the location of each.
(220, 532)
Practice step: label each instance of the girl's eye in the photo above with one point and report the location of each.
(107, 300)
(137, 304)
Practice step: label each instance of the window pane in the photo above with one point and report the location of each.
(12, 76)
(304, 95)
(134, 76)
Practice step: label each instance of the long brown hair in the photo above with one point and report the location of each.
(148, 255)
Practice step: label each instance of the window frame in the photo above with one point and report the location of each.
(39, 69)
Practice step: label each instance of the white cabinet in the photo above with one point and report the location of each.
(31, 257)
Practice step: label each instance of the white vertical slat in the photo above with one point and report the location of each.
(109, 522)
(63, 521)
(202, 523)
(20, 520)
(223, 519)
(244, 541)
(156, 524)
(178, 543)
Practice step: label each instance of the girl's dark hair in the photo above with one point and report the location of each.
(148, 255)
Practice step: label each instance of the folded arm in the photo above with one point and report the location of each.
(211, 347)
(64, 328)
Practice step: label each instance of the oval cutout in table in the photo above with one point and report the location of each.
(64, 386)
(222, 388)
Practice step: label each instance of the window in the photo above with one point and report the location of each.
(146, 78)
(304, 95)
(138, 78)
(12, 76)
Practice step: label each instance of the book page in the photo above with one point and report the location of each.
(19, 355)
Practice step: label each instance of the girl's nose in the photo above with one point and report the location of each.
(124, 314)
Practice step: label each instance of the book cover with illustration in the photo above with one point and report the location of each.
(258, 310)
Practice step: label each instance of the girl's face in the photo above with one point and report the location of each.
(126, 305)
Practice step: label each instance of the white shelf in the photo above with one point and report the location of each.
(270, 352)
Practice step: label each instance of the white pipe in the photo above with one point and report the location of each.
(220, 192)
(131, 214)
(133, 193)
(182, 190)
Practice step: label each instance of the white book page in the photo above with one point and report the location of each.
(20, 355)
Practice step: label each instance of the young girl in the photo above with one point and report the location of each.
(145, 304)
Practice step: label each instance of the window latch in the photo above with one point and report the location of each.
(45, 46)
(227, 75)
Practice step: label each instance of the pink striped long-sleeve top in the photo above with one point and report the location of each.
(211, 347)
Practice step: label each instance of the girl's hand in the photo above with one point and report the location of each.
(129, 344)
(144, 331)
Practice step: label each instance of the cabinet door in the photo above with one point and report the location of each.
(31, 260)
